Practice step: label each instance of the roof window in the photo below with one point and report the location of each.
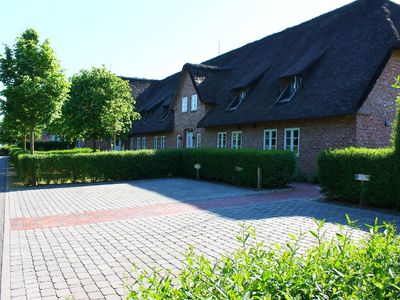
(291, 87)
(236, 102)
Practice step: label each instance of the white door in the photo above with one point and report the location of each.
(189, 138)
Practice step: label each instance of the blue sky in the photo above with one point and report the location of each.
(151, 38)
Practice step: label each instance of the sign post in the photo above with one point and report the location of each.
(362, 178)
(197, 167)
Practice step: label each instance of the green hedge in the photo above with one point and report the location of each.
(48, 146)
(337, 168)
(278, 166)
(70, 151)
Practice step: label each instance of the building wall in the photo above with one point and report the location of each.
(378, 112)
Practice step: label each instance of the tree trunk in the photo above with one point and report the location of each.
(94, 145)
(32, 135)
(24, 139)
(114, 141)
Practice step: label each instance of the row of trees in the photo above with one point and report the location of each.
(94, 104)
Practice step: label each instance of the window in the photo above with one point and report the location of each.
(193, 102)
(198, 140)
(164, 115)
(178, 141)
(236, 140)
(189, 138)
(155, 142)
(146, 117)
(144, 142)
(184, 104)
(292, 140)
(290, 90)
(236, 102)
(138, 143)
(131, 143)
(162, 142)
(221, 140)
(270, 138)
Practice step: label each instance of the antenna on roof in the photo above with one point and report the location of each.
(219, 47)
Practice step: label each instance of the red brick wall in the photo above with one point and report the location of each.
(379, 108)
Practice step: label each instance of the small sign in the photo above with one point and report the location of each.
(362, 177)
(238, 169)
(197, 166)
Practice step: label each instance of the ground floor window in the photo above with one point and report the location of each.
(144, 142)
(236, 142)
(131, 144)
(221, 140)
(292, 140)
(178, 141)
(189, 138)
(138, 143)
(270, 139)
(155, 142)
(198, 140)
(162, 142)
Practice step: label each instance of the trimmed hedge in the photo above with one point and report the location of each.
(278, 166)
(337, 169)
(48, 146)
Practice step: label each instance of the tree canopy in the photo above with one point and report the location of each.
(100, 105)
(35, 85)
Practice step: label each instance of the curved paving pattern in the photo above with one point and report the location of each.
(81, 240)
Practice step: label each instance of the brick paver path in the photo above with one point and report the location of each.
(81, 240)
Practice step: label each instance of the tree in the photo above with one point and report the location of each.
(396, 125)
(35, 86)
(100, 105)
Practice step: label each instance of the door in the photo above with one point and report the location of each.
(189, 138)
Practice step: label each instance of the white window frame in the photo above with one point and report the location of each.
(189, 140)
(131, 143)
(178, 141)
(221, 143)
(267, 145)
(138, 143)
(155, 143)
(236, 135)
(193, 102)
(198, 140)
(184, 104)
(291, 145)
(144, 142)
(162, 142)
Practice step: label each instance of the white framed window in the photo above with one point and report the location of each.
(198, 140)
(221, 140)
(178, 141)
(144, 142)
(292, 140)
(236, 142)
(155, 143)
(236, 102)
(193, 102)
(189, 138)
(291, 89)
(270, 139)
(184, 104)
(131, 143)
(138, 143)
(162, 142)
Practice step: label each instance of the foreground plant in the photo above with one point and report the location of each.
(339, 268)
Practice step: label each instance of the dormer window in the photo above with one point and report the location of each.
(291, 87)
(236, 102)
(146, 117)
(164, 115)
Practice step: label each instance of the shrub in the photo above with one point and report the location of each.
(4, 150)
(70, 151)
(332, 269)
(48, 146)
(278, 166)
(240, 166)
(337, 168)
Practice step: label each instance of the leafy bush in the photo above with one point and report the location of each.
(339, 268)
(48, 146)
(240, 166)
(278, 166)
(70, 151)
(337, 168)
(4, 150)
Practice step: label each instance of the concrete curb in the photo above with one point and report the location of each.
(5, 272)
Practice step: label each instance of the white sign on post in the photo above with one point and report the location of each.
(362, 177)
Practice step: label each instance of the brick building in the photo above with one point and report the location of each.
(326, 83)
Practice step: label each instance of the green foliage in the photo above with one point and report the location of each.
(4, 151)
(35, 86)
(337, 168)
(50, 145)
(69, 151)
(339, 268)
(100, 105)
(396, 127)
(240, 166)
(278, 166)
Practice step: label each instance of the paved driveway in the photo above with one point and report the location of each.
(81, 240)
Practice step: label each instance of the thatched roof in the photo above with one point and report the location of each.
(339, 56)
